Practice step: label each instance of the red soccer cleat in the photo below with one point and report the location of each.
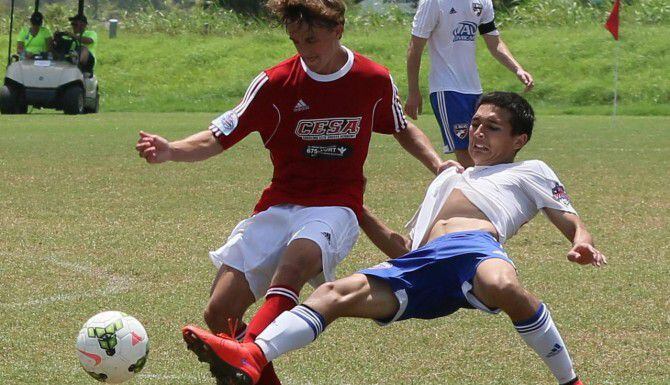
(268, 376)
(230, 361)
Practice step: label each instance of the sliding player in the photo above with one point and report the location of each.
(315, 113)
(456, 258)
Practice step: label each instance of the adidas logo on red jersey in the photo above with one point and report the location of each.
(300, 106)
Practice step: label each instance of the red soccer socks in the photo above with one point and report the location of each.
(277, 300)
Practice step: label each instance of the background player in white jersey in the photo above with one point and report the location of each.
(450, 28)
(456, 258)
(315, 113)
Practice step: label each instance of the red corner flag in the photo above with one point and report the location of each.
(612, 23)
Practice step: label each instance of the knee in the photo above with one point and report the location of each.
(501, 289)
(297, 269)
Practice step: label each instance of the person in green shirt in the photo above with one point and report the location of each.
(89, 42)
(35, 39)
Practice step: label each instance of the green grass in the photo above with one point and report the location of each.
(572, 66)
(81, 213)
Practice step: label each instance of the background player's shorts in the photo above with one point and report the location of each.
(436, 280)
(256, 244)
(454, 112)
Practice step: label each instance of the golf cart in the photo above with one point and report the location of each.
(50, 80)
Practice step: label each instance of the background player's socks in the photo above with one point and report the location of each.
(277, 300)
(540, 333)
(291, 330)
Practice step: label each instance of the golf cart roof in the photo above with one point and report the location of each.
(80, 6)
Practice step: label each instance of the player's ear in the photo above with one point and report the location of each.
(339, 30)
(520, 141)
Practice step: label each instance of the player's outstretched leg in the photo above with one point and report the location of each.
(497, 286)
(355, 296)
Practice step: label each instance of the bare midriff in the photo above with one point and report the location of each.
(459, 214)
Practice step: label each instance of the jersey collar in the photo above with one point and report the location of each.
(335, 75)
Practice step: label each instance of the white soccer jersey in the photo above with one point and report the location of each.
(509, 194)
(451, 28)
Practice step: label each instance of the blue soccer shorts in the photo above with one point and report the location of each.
(436, 280)
(454, 112)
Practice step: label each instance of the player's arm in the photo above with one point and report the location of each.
(84, 39)
(392, 244)
(414, 141)
(224, 131)
(414, 52)
(583, 251)
(197, 147)
(499, 50)
(20, 43)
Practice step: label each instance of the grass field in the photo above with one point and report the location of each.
(86, 226)
(572, 66)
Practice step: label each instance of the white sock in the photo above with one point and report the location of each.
(540, 333)
(290, 331)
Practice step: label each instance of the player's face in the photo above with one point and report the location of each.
(491, 138)
(317, 46)
(78, 26)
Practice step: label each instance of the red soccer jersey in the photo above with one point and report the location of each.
(317, 128)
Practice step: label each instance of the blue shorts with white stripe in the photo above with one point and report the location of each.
(454, 111)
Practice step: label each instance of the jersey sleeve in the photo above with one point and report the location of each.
(546, 189)
(425, 19)
(388, 117)
(23, 35)
(91, 35)
(234, 125)
(487, 24)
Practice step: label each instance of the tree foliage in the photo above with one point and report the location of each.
(249, 7)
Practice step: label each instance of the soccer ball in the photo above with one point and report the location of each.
(112, 347)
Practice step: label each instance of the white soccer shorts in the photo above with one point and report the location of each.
(256, 244)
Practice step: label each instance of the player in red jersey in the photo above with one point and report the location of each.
(315, 113)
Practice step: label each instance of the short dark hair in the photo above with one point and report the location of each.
(323, 13)
(36, 18)
(522, 117)
(79, 17)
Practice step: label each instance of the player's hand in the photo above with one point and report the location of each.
(450, 163)
(525, 78)
(153, 148)
(585, 253)
(413, 105)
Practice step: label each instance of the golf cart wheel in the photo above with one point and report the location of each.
(10, 98)
(96, 106)
(73, 100)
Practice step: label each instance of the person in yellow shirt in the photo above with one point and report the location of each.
(89, 42)
(35, 39)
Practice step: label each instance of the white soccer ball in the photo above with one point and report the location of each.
(112, 347)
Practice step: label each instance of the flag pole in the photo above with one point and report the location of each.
(612, 25)
(616, 81)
